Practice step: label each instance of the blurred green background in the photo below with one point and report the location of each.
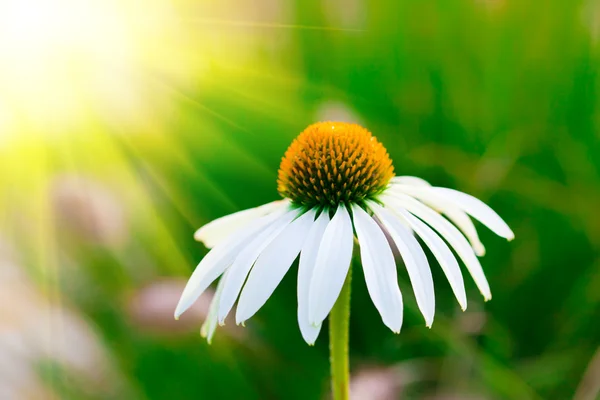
(126, 126)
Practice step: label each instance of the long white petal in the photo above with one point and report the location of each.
(414, 258)
(218, 259)
(379, 269)
(471, 205)
(477, 209)
(219, 229)
(451, 234)
(245, 259)
(210, 324)
(272, 265)
(440, 250)
(464, 223)
(331, 267)
(454, 214)
(308, 258)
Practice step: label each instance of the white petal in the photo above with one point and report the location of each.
(464, 223)
(471, 205)
(219, 229)
(218, 259)
(454, 214)
(308, 258)
(331, 267)
(410, 180)
(379, 269)
(245, 259)
(210, 324)
(451, 234)
(477, 209)
(440, 250)
(414, 259)
(272, 265)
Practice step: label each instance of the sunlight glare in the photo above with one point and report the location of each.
(63, 60)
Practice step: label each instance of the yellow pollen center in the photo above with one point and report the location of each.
(334, 162)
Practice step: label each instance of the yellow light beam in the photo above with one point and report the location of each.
(272, 25)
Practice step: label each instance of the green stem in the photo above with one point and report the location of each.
(339, 321)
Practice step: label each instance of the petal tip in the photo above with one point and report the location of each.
(309, 337)
(486, 293)
(177, 313)
(199, 235)
(206, 241)
(221, 318)
(479, 250)
(208, 339)
(507, 233)
(204, 332)
(240, 316)
(238, 319)
(394, 326)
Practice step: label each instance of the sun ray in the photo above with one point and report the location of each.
(268, 25)
(180, 93)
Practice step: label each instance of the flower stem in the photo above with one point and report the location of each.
(339, 321)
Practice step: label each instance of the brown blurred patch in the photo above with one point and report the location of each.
(151, 309)
(589, 387)
(346, 14)
(36, 327)
(87, 209)
(376, 383)
(337, 111)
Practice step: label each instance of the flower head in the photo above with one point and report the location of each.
(337, 181)
(332, 163)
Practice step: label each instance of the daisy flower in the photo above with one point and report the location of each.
(337, 182)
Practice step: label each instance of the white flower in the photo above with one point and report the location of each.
(337, 182)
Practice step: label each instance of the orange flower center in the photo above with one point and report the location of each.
(334, 162)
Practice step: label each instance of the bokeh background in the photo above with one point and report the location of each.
(126, 125)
